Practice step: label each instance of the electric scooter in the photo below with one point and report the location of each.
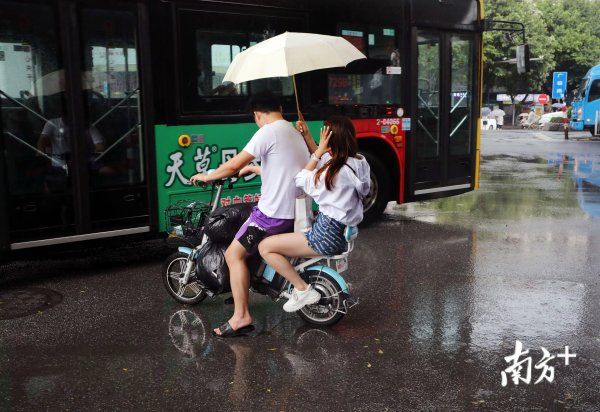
(187, 222)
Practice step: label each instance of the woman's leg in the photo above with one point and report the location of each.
(276, 249)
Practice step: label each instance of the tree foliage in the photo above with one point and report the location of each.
(564, 33)
(497, 48)
(575, 27)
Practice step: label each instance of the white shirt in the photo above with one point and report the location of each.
(283, 153)
(350, 186)
(57, 132)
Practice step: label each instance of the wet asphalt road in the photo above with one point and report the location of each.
(446, 289)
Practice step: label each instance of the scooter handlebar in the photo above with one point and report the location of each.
(214, 183)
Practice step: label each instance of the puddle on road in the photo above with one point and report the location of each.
(519, 188)
(534, 243)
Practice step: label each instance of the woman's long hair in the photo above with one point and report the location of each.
(342, 144)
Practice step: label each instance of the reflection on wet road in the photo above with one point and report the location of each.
(446, 289)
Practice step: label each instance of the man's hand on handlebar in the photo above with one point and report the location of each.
(202, 179)
(199, 179)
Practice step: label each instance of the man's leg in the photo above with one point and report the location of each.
(239, 276)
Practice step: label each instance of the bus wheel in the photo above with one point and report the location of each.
(377, 199)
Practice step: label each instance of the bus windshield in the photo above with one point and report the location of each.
(375, 80)
(581, 89)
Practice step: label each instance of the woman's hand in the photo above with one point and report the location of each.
(301, 127)
(324, 141)
(199, 178)
(305, 132)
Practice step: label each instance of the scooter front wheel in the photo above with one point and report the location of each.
(173, 273)
(330, 309)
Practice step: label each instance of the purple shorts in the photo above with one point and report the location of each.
(259, 226)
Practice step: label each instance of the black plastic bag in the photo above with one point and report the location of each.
(211, 268)
(225, 221)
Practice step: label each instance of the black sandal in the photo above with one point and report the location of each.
(228, 332)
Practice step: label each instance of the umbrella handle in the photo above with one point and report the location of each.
(300, 117)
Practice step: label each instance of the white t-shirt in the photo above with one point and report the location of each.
(283, 153)
(57, 132)
(344, 201)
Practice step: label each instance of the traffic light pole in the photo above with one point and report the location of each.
(505, 25)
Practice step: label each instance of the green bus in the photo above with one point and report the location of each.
(108, 107)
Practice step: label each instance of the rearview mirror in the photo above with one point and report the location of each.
(523, 59)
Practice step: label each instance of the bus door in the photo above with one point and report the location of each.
(443, 127)
(72, 150)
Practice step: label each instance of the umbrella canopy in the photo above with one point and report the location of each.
(291, 53)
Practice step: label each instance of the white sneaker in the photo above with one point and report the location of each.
(301, 298)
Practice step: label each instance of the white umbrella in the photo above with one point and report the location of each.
(497, 112)
(289, 54)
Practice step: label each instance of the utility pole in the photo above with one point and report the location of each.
(565, 120)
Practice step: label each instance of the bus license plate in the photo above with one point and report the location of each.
(341, 265)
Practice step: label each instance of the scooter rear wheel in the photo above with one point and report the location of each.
(173, 271)
(330, 309)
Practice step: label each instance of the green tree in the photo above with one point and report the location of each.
(575, 27)
(497, 48)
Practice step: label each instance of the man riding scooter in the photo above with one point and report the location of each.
(283, 153)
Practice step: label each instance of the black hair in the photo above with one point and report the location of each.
(265, 102)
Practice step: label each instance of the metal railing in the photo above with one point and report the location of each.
(30, 110)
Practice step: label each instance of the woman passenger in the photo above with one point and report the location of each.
(337, 178)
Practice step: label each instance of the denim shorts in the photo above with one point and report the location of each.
(327, 236)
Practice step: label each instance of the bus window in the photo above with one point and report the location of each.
(35, 129)
(356, 38)
(428, 130)
(382, 43)
(594, 93)
(214, 39)
(372, 81)
(214, 52)
(112, 98)
(461, 95)
(579, 92)
(221, 56)
(114, 144)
